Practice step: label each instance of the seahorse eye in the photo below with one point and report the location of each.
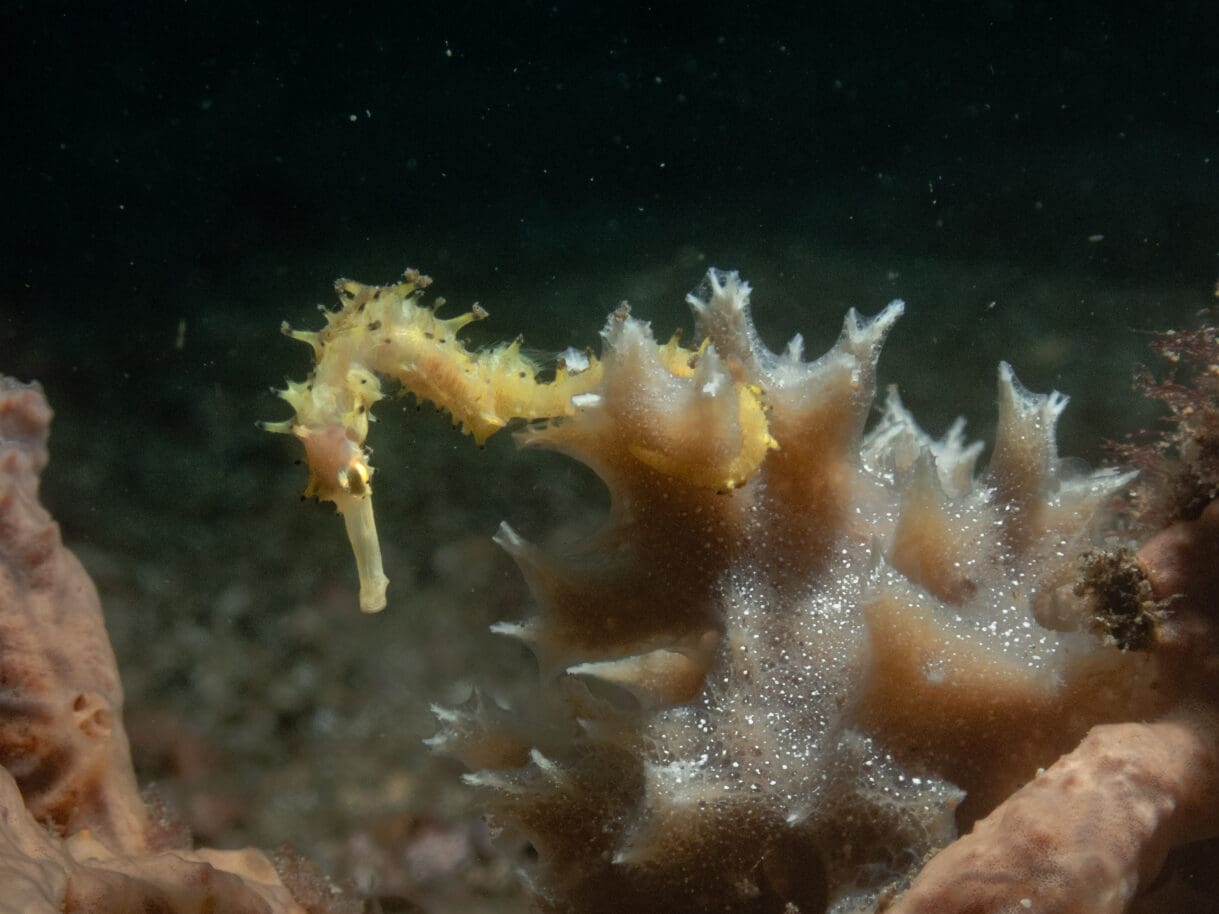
(353, 479)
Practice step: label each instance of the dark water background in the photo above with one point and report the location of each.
(1039, 181)
(208, 161)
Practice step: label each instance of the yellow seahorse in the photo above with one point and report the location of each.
(386, 331)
